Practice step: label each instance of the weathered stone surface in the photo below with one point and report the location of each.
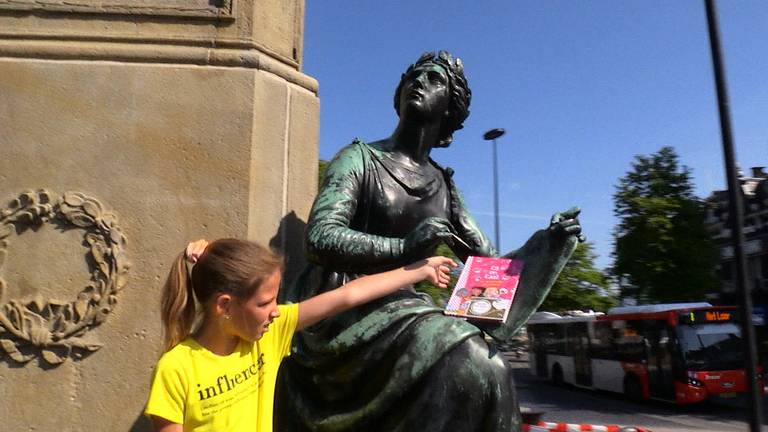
(268, 29)
(183, 127)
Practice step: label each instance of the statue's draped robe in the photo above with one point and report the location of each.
(398, 363)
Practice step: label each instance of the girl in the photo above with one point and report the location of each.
(222, 376)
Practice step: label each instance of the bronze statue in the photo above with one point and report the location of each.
(399, 364)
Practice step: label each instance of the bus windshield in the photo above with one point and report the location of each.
(711, 346)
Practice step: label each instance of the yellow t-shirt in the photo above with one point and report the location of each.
(207, 392)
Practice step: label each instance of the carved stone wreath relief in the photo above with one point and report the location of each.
(56, 329)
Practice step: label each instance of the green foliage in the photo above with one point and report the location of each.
(439, 295)
(580, 285)
(322, 165)
(662, 250)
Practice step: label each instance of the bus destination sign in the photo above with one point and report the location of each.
(706, 316)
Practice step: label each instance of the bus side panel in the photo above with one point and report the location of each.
(566, 365)
(609, 376)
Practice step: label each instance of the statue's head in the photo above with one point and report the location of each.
(459, 90)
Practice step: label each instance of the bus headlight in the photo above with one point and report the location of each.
(694, 382)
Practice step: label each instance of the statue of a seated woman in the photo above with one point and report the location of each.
(400, 364)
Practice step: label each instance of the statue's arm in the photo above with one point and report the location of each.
(544, 255)
(330, 241)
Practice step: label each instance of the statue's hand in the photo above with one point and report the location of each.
(567, 224)
(425, 237)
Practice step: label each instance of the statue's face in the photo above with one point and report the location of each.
(425, 93)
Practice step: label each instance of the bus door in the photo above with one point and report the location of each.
(578, 340)
(660, 374)
(539, 336)
(542, 370)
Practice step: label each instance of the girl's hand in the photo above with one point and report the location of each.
(437, 270)
(195, 249)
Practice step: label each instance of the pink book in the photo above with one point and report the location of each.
(485, 289)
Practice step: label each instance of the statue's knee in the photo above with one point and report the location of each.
(475, 364)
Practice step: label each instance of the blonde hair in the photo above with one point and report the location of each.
(227, 266)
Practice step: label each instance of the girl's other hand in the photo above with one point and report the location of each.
(195, 249)
(438, 270)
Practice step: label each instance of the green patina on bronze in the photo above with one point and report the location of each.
(383, 205)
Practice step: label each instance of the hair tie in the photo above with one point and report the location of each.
(194, 250)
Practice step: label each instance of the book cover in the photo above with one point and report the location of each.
(485, 289)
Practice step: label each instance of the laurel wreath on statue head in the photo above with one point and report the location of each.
(52, 328)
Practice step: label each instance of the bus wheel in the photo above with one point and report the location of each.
(557, 375)
(632, 388)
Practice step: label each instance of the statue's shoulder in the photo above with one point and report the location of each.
(350, 160)
(351, 150)
(360, 150)
(375, 147)
(447, 171)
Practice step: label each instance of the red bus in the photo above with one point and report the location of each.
(684, 352)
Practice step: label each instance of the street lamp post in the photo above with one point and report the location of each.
(491, 135)
(736, 215)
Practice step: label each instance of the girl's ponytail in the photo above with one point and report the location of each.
(178, 304)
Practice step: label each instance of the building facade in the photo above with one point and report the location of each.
(754, 190)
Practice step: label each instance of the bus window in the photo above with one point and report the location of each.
(552, 337)
(548, 338)
(601, 346)
(711, 346)
(630, 343)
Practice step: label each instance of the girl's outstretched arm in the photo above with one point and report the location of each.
(367, 288)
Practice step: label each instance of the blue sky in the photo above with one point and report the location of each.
(580, 86)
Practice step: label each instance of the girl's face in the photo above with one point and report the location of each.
(251, 318)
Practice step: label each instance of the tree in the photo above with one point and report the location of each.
(580, 285)
(322, 165)
(662, 250)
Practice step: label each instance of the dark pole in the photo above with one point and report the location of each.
(492, 135)
(736, 211)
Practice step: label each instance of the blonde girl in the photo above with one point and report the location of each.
(221, 376)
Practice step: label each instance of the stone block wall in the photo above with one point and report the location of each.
(126, 129)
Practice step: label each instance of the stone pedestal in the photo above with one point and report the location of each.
(128, 128)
